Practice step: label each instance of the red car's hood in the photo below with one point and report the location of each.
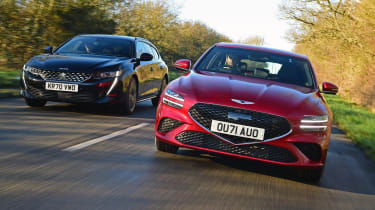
(267, 96)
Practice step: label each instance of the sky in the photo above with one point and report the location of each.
(239, 19)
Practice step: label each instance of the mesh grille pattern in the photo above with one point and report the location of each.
(275, 126)
(168, 124)
(311, 150)
(64, 76)
(83, 96)
(261, 151)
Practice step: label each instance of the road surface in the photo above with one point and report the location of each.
(71, 157)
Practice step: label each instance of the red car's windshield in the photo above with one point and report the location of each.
(264, 65)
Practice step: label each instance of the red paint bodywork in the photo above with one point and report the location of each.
(183, 64)
(289, 101)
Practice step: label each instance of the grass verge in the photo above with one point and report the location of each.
(358, 122)
(8, 79)
(174, 74)
(9, 93)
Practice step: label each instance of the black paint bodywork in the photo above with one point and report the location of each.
(148, 75)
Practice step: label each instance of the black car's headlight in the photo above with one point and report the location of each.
(109, 74)
(32, 70)
(314, 123)
(178, 101)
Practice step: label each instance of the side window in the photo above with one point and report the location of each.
(140, 49)
(147, 48)
(155, 53)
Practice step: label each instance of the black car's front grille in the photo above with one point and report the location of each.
(311, 150)
(168, 124)
(261, 151)
(64, 76)
(275, 126)
(83, 96)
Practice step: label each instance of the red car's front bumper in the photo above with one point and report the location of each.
(290, 150)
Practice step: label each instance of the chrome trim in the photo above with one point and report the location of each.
(166, 101)
(242, 102)
(23, 79)
(114, 83)
(228, 141)
(313, 128)
(145, 99)
(314, 121)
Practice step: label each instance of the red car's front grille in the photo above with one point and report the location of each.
(261, 151)
(275, 126)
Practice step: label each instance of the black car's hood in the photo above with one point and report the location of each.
(78, 63)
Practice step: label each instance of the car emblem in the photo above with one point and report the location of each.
(62, 76)
(64, 69)
(237, 116)
(242, 101)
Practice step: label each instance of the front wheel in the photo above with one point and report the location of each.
(129, 99)
(155, 101)
(35, 102)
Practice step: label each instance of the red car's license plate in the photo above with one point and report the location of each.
(237, 130)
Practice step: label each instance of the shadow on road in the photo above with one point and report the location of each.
(143, 109)
(333, 177)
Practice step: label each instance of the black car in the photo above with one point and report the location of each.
(119, 70)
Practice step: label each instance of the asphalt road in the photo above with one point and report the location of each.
(126, 172)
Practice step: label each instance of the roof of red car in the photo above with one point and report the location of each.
(264, 49)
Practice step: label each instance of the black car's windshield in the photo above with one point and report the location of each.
(251, 63)
(97, 46)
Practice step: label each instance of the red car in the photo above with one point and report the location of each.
(248, 102)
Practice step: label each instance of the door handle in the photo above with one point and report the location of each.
(161, 67)
(152, 68)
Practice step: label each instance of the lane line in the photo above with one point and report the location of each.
(104, 138)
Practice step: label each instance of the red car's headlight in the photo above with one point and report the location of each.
(314, 123)
(177, 102)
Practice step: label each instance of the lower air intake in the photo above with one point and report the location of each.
(261, 151)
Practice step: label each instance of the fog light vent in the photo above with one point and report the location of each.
(168, 124)
(311, 150)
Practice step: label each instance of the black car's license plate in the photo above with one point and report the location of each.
(66, 87)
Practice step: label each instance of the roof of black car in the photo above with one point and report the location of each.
(117, 36)
(109, 36)
(263, 49)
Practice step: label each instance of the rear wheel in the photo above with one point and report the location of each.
(35, 102)
(128, 99)
(165, 147)
(155, 101)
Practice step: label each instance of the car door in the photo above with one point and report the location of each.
(153, 70)
(160, 68)
(157, 67)
(144, 71)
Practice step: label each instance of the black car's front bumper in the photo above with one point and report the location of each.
(91, 91)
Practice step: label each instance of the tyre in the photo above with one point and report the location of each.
(155, 101)
(35, 102)
(128, 99)
(165, 147)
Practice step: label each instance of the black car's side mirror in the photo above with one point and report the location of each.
(48, 50)
(146, 57)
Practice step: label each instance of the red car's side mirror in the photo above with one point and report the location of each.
(329, 88)
(183, 64)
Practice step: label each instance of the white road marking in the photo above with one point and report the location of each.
(104, 138)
